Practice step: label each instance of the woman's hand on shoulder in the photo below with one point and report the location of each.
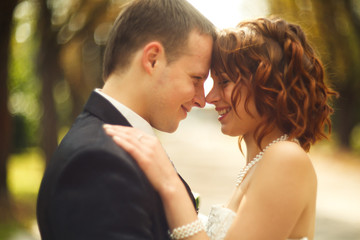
(148, 153)
(152, 159)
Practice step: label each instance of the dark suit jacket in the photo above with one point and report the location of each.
(93, 189)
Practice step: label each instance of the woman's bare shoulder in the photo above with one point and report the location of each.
(286, 164)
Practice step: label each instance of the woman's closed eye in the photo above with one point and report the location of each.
(223, 83)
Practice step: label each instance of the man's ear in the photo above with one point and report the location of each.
(153, 52)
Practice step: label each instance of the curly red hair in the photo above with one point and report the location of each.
(274, 61)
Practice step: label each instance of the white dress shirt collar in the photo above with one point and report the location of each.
(133, 118)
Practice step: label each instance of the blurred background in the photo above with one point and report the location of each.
(50, 61)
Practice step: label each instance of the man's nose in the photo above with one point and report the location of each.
(199, 99)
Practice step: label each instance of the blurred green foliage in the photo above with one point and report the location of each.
(24, 85)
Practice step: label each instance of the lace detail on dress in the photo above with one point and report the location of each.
(219, 222)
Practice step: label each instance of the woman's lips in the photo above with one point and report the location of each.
(223, 112)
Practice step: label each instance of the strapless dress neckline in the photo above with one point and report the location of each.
(220, 220)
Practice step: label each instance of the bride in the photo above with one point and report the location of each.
(269, 89)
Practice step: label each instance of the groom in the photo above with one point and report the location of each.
(155, 64)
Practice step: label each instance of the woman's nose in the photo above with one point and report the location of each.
(212, 96)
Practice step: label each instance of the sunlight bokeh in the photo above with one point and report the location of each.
(227, 13)
(25, 173)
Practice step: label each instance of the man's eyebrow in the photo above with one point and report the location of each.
(205, 74)
(201, 75)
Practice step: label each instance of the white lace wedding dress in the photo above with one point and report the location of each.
(219, 221)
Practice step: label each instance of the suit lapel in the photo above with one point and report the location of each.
(190, 193)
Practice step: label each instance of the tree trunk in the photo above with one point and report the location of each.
(345, 120)
(49, 72)
(7, 7)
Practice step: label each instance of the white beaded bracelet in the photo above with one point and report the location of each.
(187, 230)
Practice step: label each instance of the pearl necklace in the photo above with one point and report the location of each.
(257, 158)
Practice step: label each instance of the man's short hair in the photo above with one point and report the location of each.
(167, 21)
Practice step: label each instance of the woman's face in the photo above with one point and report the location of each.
(232, 123)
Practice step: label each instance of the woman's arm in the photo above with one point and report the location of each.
(153, 160)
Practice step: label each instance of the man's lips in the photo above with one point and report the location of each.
(186, 110)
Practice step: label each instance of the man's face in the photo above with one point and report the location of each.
(180, 85)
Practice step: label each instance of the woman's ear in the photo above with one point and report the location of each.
(153, 52)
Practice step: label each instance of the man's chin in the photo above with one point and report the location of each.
(169, 128)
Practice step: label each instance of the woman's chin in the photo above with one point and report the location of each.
(228, 132)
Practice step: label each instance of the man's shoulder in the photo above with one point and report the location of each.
(91, 143)
(87, 145)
